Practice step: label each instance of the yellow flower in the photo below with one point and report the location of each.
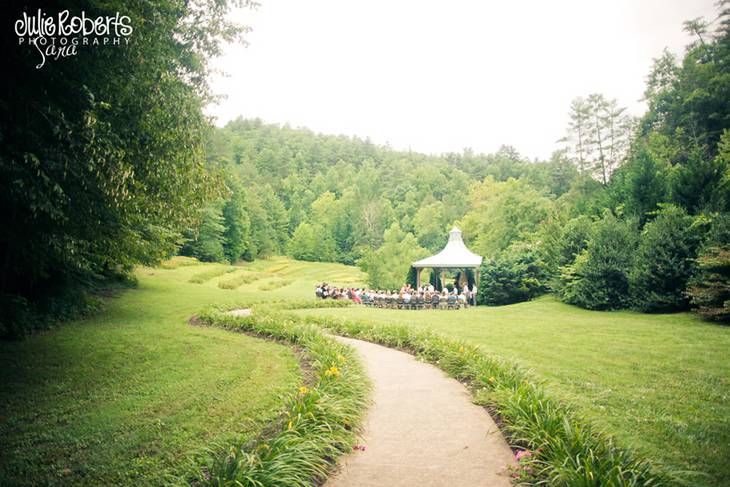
(341, 358)
(303, 390)
(461, 349)
(291, 426)
(491, 380)
(332, 371)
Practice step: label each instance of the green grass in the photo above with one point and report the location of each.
(204, 276)
(239, 279)
(275, 284)
(660, 383)
(129, 396)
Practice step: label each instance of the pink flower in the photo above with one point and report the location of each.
(359, 448)
(523, 454)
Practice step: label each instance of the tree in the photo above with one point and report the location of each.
(237, 233)
(515, 275)
(664, 261)
(599, 277)
(101, 165)
(561, 242)
(503, 212)
(387, 265)
(641, 184)
(430, 226)
(207, 244)
(599, 134)
(709, 288)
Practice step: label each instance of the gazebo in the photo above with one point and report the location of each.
(455, 255)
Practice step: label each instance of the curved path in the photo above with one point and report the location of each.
(422, 430)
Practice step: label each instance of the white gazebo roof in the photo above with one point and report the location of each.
(455, 254)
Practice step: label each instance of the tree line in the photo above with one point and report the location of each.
(630, 213)
(100, 173)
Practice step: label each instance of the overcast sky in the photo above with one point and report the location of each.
(441, 76)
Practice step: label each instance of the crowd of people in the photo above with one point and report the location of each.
(407, 297)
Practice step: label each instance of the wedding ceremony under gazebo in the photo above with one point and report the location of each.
(455, 255)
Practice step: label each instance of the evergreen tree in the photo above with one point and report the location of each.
(599, 277)
(664, 261)
(709, 288)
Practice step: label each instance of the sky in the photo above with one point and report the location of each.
(438, 77)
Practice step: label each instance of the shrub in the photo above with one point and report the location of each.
(435, 279)
(561, 243)
(664, 261)
(709, 288)
(412, 277)
(599, 277)
(516, 275)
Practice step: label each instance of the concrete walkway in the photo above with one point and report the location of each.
(422, 430)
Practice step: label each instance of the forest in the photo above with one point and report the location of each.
(104, 175)
(629, 213)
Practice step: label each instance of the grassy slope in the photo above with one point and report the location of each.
(661, 383)
(127, 396)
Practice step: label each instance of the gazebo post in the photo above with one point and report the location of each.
(476, 282)
(418, 277)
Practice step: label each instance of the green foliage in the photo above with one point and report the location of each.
(208, 243)
(319, 421)
(709, 288)
(561, 242)
(599, 276)
(503, 212)
(387, 265)
(435, 279)
(664, 261)
(312, 243)
(516, 275)
(641, 184)
(101, 161)
(237, 225)
(412, 277)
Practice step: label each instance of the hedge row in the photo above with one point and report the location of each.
(319, 421)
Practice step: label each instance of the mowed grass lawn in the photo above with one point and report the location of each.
(129, 396)
(660, 383)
